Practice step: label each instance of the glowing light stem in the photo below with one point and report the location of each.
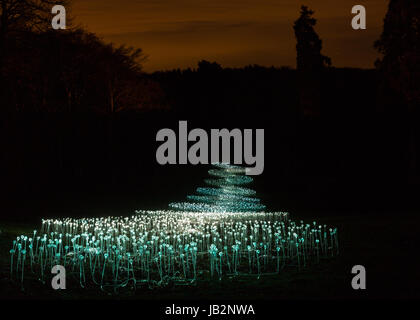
(332, 244)
(23, 268)
(258, 262)
(18, 259)
(160, 266)
(183, 265)
(249, 259)
(317, 250)
(103, 270)
(325, 241)
(12, 253)
(336, 240)
(82, 272)
(227, 258)
(303, 252)
(220, 273)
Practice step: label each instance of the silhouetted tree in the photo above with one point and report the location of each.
(309, 45)
(400, 65)
(121, 70)
(400, 46)
(310, 62)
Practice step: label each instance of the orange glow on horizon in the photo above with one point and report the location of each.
(235, 33)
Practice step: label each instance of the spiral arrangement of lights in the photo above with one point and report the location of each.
(226, 193)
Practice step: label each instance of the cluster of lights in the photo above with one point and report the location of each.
(229, 196)
(220, 232)
(155, 248)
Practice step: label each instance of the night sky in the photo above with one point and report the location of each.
(235, 33)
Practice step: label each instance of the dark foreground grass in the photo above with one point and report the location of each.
(385, 245)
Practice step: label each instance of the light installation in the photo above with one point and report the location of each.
(226, 195)
(213, 240)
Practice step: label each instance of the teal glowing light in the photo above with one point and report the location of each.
(229, 196)
(154, 248)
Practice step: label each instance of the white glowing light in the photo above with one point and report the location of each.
(227, 197)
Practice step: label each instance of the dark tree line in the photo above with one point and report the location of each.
(62, 93)
(66, 70)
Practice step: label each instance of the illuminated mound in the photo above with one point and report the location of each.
(157, 248)
(226, 193)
